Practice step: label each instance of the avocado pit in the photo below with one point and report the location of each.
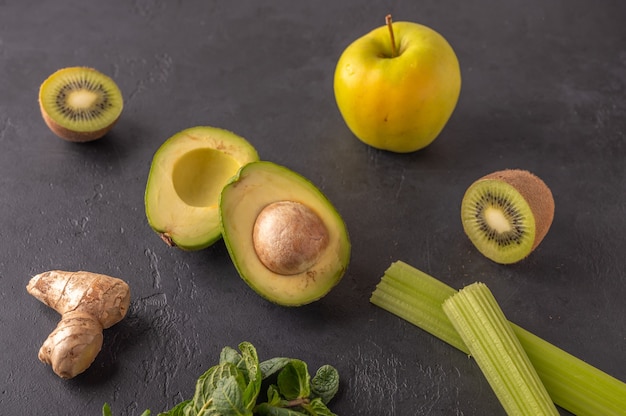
(289, 237)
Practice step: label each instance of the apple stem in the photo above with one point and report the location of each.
(394, 50)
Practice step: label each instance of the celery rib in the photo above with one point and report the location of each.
(571, 383)
(475, 314)
(402, 299)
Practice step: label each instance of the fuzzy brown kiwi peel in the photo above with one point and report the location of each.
(506, 214)
(80, 104)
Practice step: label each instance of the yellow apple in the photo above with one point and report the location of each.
(397, 86)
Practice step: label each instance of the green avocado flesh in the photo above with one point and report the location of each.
(263, 184)
(186, 177)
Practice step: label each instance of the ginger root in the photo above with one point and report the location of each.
(88, 303)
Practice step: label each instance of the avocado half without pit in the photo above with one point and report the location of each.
(285, 238)
(186, 177)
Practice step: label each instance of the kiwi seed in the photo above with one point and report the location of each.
(506, 214)
(80, 104)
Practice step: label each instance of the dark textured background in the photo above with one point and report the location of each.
(543, 89)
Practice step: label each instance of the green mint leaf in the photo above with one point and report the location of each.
(316, 407)
(231, 388)
(228, 398)
(325, 383)
(265, 409)
(273, 396)
(249, 366)
(180, 410)
(207, 384)
(294, 380)
(273, 366)
(106, 411)
(229, 355)
(249, 362)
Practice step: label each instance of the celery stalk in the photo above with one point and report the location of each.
(398, 293)
(572, 384)
(477, 317)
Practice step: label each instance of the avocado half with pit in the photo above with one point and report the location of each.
(285, 238)
(186, 178)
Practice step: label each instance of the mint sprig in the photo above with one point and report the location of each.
(232, 387)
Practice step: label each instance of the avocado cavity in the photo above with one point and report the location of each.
(186, 178)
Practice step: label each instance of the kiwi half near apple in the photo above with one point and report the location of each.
(506, 214)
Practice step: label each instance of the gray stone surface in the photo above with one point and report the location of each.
(543, 89)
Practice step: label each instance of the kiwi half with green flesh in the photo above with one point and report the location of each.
(80, 104)
(506, 214)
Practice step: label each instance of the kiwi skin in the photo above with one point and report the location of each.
(69, 134)
(537, 195)
(74, 136)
